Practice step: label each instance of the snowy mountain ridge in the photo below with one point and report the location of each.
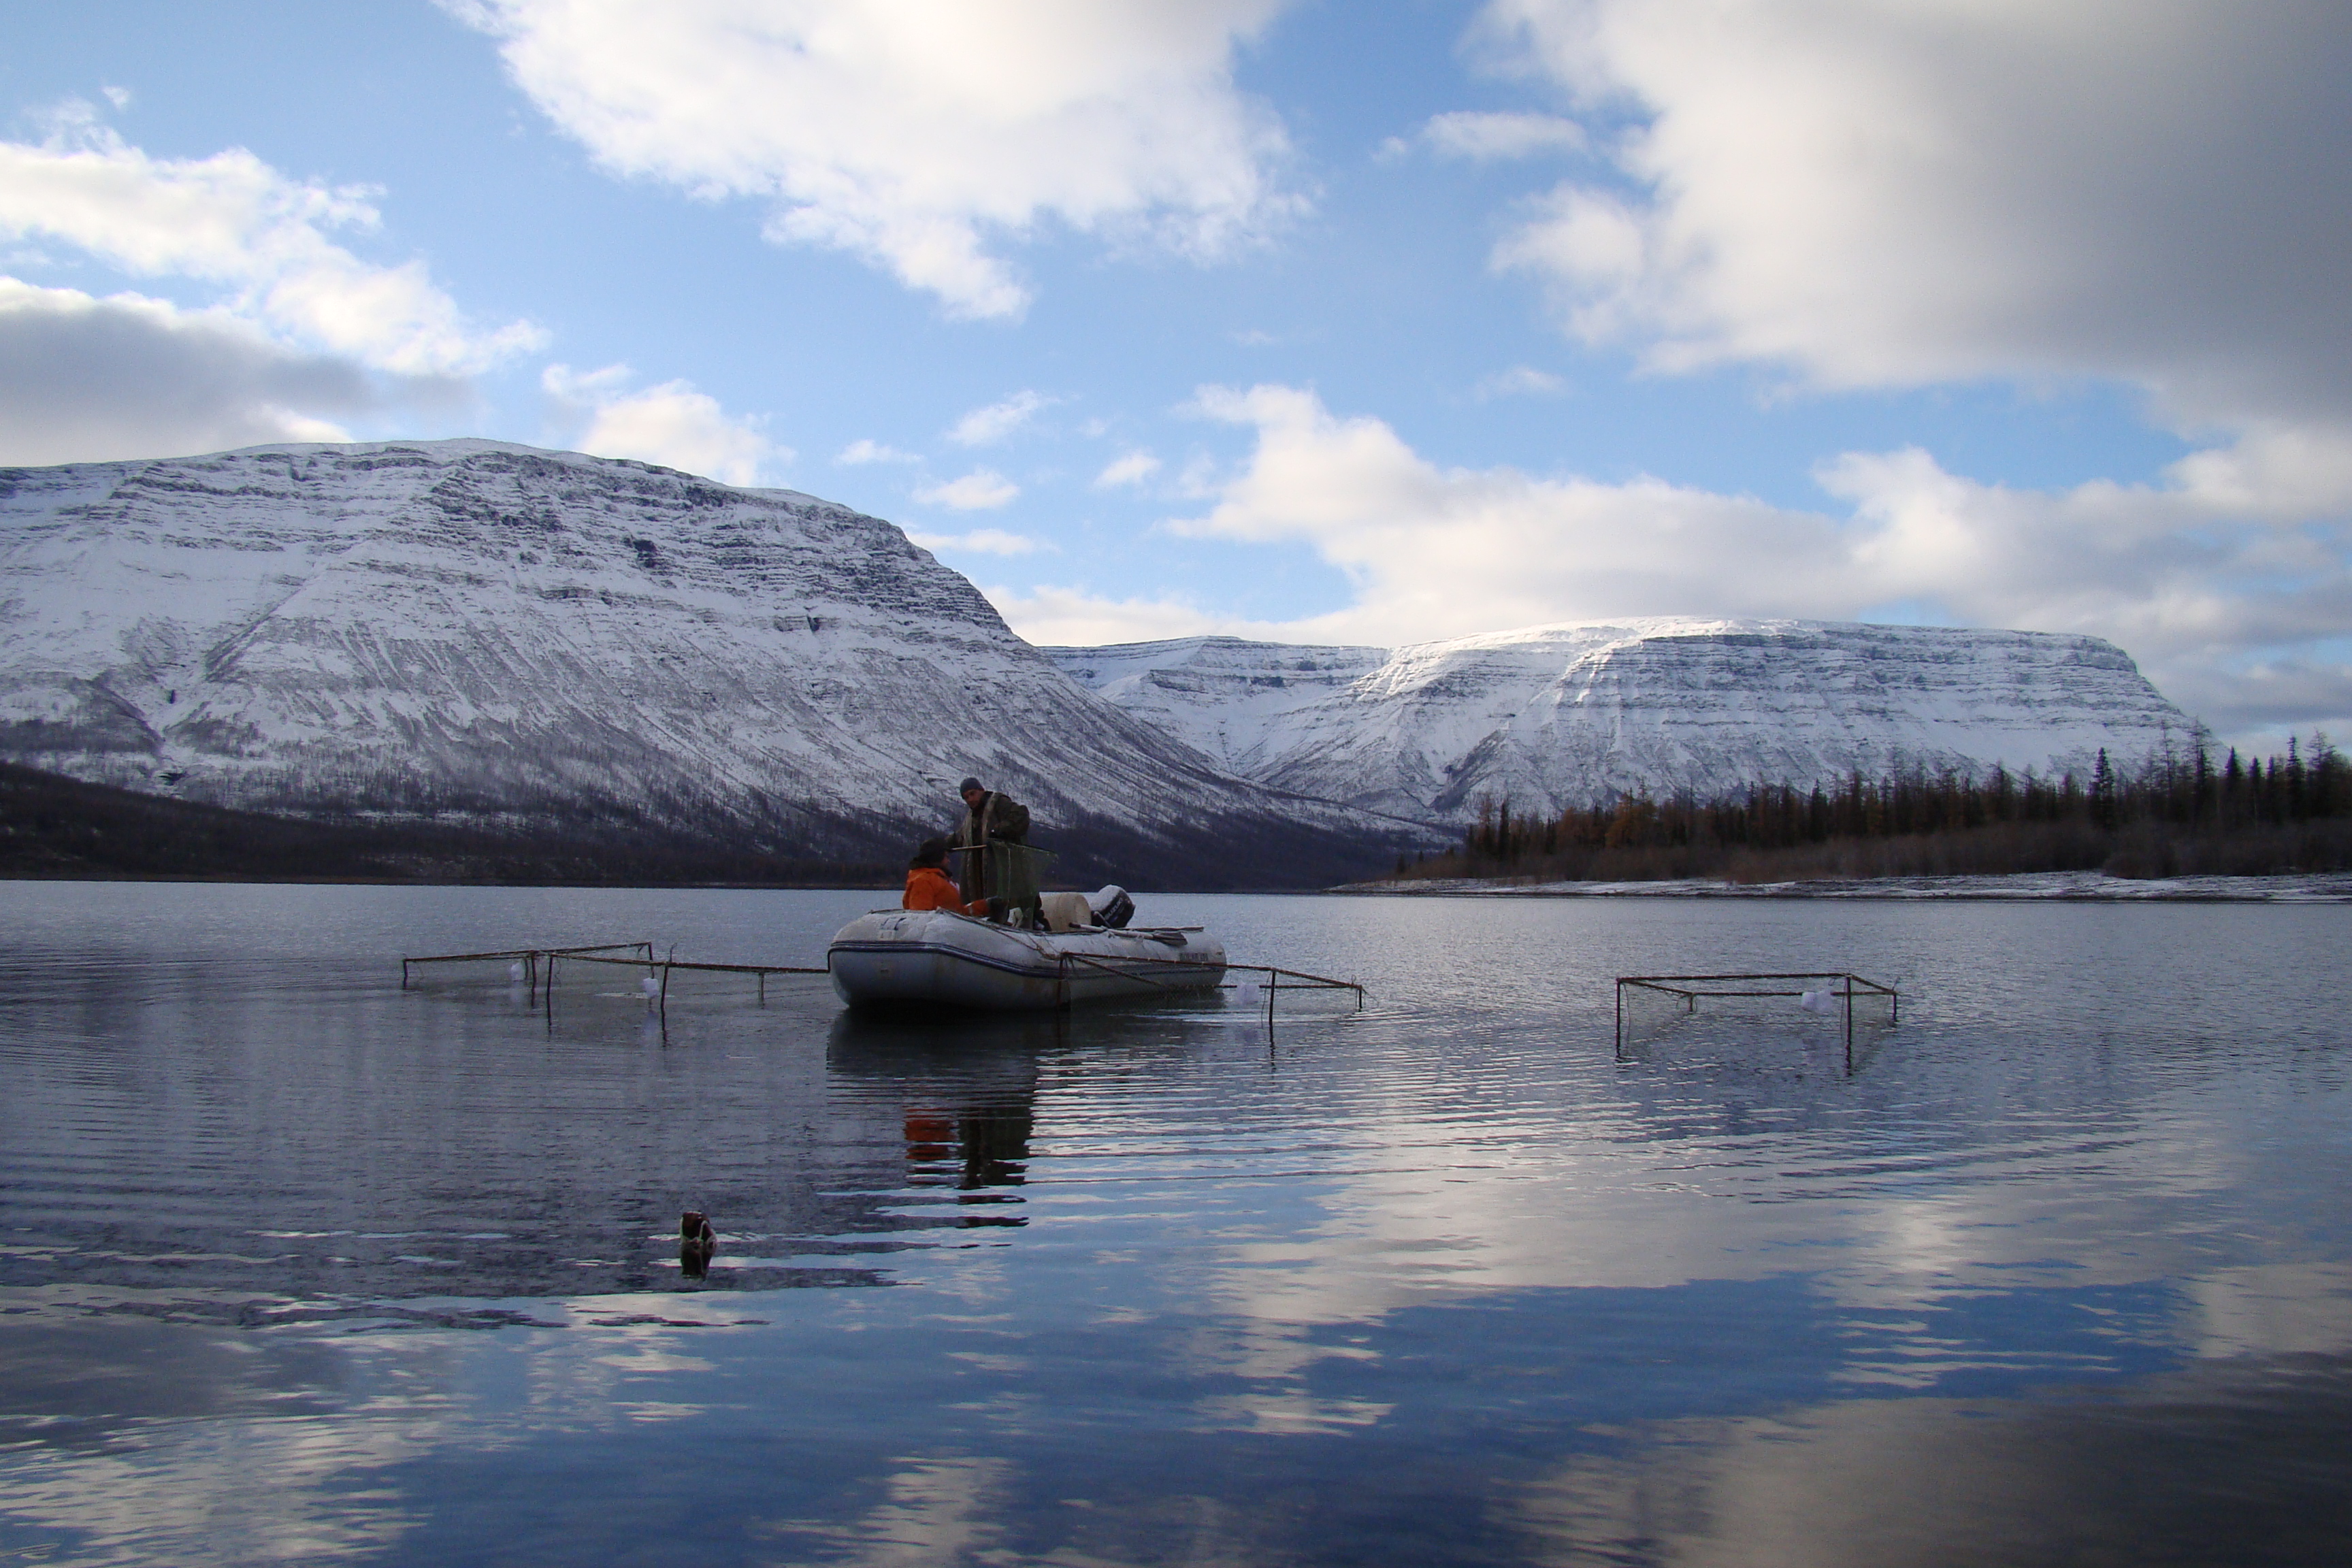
(526, 637)
(536, 639)
(1555, 716)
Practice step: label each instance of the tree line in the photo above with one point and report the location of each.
(2179, 810)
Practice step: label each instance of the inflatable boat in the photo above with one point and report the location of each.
(898, 956)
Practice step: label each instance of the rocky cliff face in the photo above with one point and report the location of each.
(1555, 716)
(534, 638)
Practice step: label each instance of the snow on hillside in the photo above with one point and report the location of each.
(1234, 700)
(541, 638)
(1554, 716)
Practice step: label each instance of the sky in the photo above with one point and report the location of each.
(1334, 324)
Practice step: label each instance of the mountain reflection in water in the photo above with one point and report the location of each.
(296, 1266)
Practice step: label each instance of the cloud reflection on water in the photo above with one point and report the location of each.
(1445, 1272)
(2240, 1461)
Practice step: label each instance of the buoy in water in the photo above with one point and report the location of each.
(696, 1244)
(653, 988)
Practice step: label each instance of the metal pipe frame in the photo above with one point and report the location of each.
(1691, 987)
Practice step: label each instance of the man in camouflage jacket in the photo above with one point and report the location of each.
(991, 816)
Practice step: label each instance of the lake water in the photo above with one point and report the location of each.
(300, 1266)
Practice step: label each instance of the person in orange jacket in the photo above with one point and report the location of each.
(929, 887)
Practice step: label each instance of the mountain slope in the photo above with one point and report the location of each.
(1235, 702)
(1550, 717)
(532, 639)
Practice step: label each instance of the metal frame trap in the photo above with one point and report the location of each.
(537, 966)
(1691, 988)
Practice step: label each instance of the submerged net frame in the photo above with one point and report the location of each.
(538, 965)
(664, 966)
(530, 958)
(1690, 988)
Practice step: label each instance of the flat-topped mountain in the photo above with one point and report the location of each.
(1232, 699)
(540, 642)
(1550, 717)
(539, 639)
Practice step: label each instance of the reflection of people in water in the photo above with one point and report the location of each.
(929, 887)
(989, 1141)
(961, 1097)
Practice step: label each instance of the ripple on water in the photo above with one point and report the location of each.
(1448, 1270)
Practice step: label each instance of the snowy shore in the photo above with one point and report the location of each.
(2091, 886)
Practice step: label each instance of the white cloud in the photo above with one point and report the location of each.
(983, 490)
(1127, 468)
(2280, 471)
(921, 134)
(232, 221)
(90, 380)
(1201, 477)
(1483, 136)
(1051, 617)
(1520, 381)
(986, 427)
(2201, 578)
(1883, 193)
(1437, 552)
(871, 451)
(980, 542)
(672, 425)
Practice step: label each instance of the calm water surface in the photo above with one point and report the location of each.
(297, 1267)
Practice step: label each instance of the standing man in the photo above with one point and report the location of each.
(1002, 875)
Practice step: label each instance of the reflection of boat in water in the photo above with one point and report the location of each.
(932, 956)
(966, 1093)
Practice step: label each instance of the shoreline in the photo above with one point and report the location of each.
(2023, 886)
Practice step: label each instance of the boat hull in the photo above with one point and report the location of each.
(907, 958)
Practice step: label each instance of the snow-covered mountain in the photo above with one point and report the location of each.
(538, 640)
(1231, 700)
(528, 637)
(1550, 717)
